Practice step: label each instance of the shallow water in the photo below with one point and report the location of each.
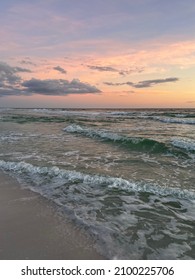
(127, 176)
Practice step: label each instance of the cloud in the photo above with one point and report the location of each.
(20, 69)
(119, 84)
(27, 62)
(144, 84)
(8, 74)
(131, 71)
(10, 91)
(58, 87)
(120, 72)
(102, 68)
(4, 67)
(12, 84)
(149, 83)
(60, 69)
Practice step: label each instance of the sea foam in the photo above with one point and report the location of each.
(184, 143)
(174, 120)
(138, 143)
(75, 177)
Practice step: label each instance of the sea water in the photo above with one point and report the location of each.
(126, 176)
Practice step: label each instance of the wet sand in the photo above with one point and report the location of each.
(31, 227)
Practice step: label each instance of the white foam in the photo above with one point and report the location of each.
(174, 120)
(93, 133)
(118, 113)
(181, 115)
(99, 133)
(184, 143)
(65, 112)
(11, 136)
(71, 153)
(94, 180)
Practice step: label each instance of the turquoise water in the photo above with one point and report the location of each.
(126, 176)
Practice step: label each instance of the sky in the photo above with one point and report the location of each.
(97, 53)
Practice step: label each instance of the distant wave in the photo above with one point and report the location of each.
(32, 118)
(60, 115)
(66, 112)
(174, 120)
(9, 138)
(184, 143)
(74, 177)
(134, 143)
(5, 109)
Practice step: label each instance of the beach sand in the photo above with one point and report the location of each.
(31, 227)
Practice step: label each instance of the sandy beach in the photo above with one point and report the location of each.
(31, 227)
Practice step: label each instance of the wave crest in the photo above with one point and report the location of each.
(184, 143)
(62, 176)
(138, 143)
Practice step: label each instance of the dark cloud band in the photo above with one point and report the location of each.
(120, 72)
(144, 84)
(9, 75)
(103, 68)
(12, 84)
(60, 69)
(58, 87)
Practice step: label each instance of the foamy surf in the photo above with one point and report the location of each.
(184, 143)
(142, 144)
(175, 120)
(23, 168)
(110, 207)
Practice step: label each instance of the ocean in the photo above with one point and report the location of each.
(125, 176)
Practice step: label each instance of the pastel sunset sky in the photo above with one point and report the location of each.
(97, 53)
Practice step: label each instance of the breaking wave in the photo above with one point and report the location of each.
(41, 176)
(138, 143)
(184, 143)
(174, 120)
(134, 143)
(114, 209)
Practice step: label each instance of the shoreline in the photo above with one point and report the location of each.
(31, 227)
